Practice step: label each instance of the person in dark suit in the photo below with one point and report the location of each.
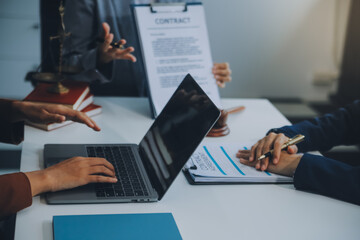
(111, 71)
(313, 172)
(17, 190)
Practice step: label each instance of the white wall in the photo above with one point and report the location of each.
(276, 46)
(19, 45)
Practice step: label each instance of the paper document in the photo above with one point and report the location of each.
(218, 163)
(174, 43)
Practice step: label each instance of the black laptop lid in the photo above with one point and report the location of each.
(176, 133)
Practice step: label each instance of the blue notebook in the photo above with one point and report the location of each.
(116, 226)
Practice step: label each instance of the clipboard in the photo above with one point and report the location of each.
(158, 96)
(216, 164)
(192, 182)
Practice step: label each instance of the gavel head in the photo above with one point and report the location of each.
(221, 122)
(220, 128)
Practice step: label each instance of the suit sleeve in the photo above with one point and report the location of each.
(80, 49)
(15, 193)
(321, 134)
(9, 132)
(328, 177)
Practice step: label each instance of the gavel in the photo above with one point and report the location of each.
(221, 128)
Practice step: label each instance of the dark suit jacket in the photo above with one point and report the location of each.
(15, 189)
(320, 174)
(83, 18)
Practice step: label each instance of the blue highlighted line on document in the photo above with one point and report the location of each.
(232, 162)
(213, 160)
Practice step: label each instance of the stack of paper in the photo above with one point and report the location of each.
(217, 163)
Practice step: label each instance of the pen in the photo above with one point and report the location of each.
(235, 109)
(113, 44)
(292, 141)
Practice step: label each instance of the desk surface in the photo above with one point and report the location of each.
(201, 212)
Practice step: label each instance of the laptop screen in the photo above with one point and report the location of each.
(176, 133)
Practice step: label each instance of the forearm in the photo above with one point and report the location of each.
(15, 193)
(80, 49)
(39, 182)
(12, 131)
(328, 177)
(323, 133)
(12, 110)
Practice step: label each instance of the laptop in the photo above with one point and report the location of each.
(145, 171)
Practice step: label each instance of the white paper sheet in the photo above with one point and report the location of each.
(174, 43)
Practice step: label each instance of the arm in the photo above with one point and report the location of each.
(14, 113)
(341, 127)
(11, 132)
(48, 113)
(328, 177)
(316, 174)
(17, 190)
(323, 133)
(81, 48)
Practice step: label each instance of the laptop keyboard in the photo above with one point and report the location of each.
(130, 182)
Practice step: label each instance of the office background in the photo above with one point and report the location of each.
(276, 48)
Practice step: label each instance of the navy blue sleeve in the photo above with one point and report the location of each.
(328, 177)
(321, 134)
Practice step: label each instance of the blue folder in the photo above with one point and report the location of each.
(116, 226)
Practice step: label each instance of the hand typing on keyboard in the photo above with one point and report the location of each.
(130, 183)
(71, 173)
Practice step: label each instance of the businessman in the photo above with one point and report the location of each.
(312, 172)
(111, 71)
(17, 190)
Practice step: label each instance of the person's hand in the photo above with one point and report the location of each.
(222, 73)
(107, 53)
(271, 141)
(49, 113)
(71, 173)
(286, 166)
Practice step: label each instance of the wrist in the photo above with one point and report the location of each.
(296, 163)
(40, 182)
(17, 111)
(100, 58)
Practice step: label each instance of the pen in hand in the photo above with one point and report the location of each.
(292, 141)
(113, 44)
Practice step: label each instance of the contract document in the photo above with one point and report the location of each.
(174, 42)
(217, 163)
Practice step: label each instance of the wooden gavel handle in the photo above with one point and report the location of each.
(235, 109)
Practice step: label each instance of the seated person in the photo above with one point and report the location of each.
(312, 172)
(17, 190)
(112, 71)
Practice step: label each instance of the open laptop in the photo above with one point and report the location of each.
(145, 171)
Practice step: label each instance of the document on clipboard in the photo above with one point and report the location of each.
(216, 163)
(174, 42)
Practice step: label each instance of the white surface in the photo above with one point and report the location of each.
(201, 212)
(171, 50)
(275, 47)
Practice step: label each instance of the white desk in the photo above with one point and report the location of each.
(201, 212)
